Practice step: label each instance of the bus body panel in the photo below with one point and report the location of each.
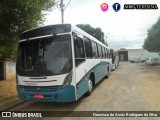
(51, 94)
(115, 59)
(41, 81)
(99, 70)
(51, 87)
(99, 65)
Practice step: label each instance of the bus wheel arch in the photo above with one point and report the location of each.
(91, 83)
(92, 78)
(107, 73)
(108, 70)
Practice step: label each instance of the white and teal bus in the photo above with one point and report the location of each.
(115, 58)
(59, 63)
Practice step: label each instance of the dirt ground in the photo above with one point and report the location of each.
(131, 87)
(8, 92)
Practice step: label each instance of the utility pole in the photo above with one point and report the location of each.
(106, 38)
(106, 41)
(62, 10)
(101, 37)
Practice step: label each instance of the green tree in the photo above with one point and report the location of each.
(95, 32)
(152, 42)
(17, 16)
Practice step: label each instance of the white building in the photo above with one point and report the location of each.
(141, 53)
(7, 69)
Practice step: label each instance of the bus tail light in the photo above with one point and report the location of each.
(67, 80)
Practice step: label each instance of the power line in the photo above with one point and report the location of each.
(67, 4)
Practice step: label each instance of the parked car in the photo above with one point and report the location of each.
(143, 60)
(134, 59)
(152, 61)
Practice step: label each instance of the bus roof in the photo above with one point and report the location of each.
(73, 28)
(43, 27)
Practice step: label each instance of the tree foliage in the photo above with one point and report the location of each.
(152, 42)
(95, 32)
(17, 16)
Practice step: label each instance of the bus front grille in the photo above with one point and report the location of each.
(41, 89)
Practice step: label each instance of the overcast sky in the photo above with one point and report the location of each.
(123, 29)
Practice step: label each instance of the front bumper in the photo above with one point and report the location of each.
(51, 93)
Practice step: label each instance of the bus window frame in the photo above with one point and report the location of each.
(85, 39)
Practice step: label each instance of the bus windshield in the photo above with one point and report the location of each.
(45, 56)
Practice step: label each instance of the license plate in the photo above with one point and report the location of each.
(39, 96)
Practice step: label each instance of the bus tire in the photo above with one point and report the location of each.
(107, 76)
(90, 86)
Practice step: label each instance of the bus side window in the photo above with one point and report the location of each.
(104, 53)
(99, 51)
(79, 51)
(88, 49)
(79, 48)
(107, 53)
(94, 49)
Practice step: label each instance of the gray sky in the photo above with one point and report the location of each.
(123, 29)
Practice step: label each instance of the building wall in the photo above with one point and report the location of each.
(10, 71)
(123, 55)
(141, 53)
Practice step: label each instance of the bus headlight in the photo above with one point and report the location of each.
(67, 80)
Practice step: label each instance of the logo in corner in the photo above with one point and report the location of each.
(116, 7)
(104, 7)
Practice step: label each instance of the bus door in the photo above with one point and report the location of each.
(80, 66)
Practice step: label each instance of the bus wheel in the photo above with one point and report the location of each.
(90, 86)
(107, 76)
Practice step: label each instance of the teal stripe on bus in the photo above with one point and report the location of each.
(99, 75)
